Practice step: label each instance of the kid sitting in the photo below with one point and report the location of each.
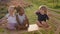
(23, 22)
(42, 16)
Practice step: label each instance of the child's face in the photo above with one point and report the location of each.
(11, 11)
(21, 11)
(41, 11)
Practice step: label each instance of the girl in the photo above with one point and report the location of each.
(42, 16)
(22, 19)
(10, 18)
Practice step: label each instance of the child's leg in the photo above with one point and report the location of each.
(39, 24)
(22, 26)
(45, 24)
(18, 27)
(25, 24)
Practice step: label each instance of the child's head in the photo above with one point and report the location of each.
(11, 9)
(43, 9)
(20, 10)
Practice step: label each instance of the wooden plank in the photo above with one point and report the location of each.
(33, 27)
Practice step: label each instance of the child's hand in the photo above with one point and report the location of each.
(27, 25)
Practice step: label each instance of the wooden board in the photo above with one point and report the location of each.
(33, 27)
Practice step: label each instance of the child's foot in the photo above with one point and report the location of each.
(39, 26)
(48, 27)
(26, 28)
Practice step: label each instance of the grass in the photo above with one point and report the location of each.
(57, 12)
(32, 16)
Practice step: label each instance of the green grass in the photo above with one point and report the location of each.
(32, 16)
(57, 12)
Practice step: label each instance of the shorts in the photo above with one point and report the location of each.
(11, 26)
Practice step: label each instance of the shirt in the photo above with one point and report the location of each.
(41, 17)
(21, 18)
(11, 19)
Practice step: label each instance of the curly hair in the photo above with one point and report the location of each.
(18, 9)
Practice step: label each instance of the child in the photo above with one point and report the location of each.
(22, 19)
(11, 18)
(42, 16)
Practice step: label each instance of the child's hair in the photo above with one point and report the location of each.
(43, 7)
(10, 7)
(19, 9)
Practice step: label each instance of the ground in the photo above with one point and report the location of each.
(54, 15)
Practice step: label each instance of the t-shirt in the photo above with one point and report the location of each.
(21, 18)
(11, 19)
(41, 17)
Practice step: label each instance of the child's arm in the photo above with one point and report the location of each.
(47, 17)
(37, 12)
(27, 21)
(5, 17)
(3, 20)
(17, 19)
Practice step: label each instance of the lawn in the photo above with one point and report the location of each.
(32, 16)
